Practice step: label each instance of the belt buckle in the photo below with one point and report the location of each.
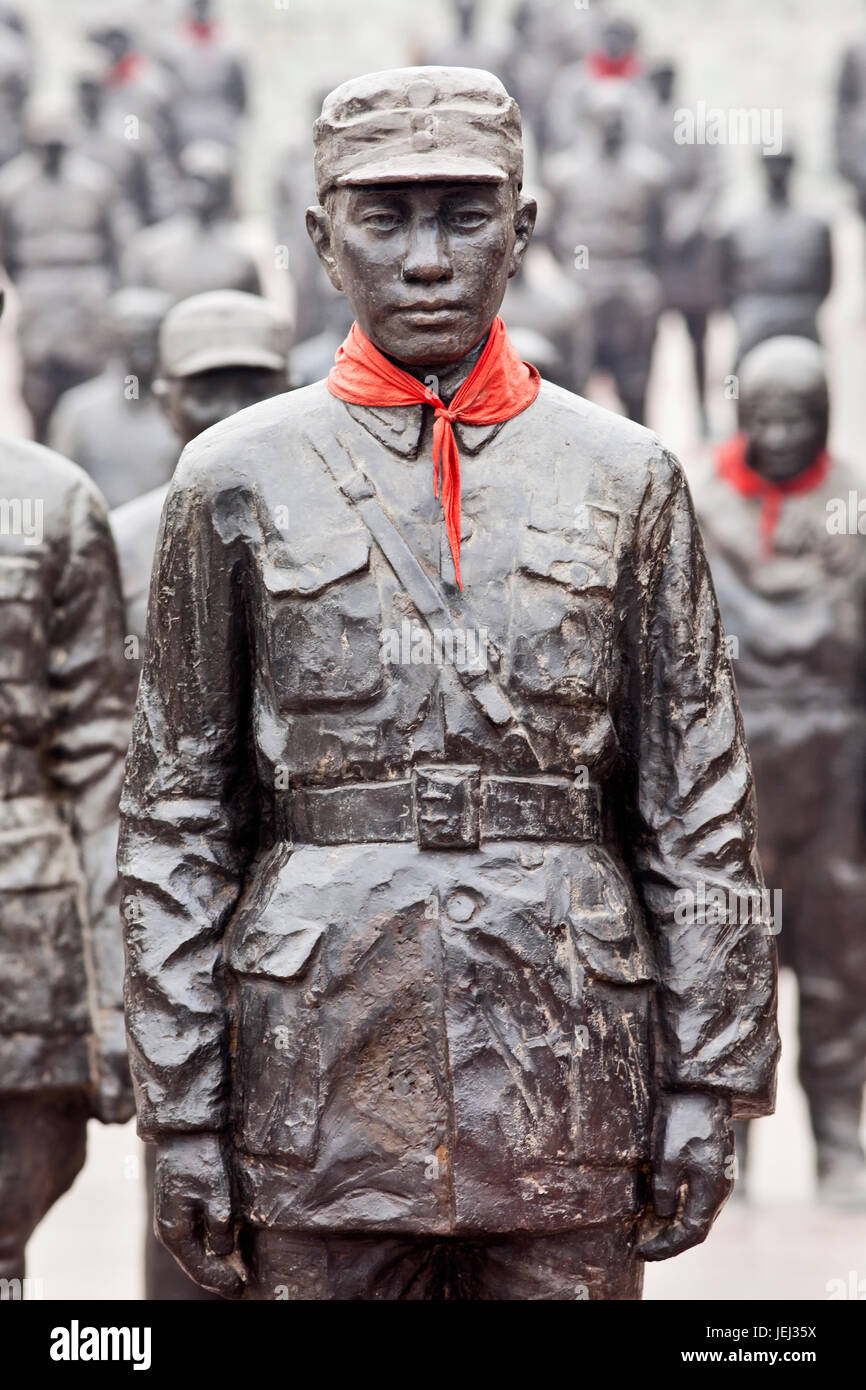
(447, 806)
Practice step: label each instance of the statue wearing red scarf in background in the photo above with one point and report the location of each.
(790, 572)
(434, 730)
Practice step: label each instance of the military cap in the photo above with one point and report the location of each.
(224, 328)
(414, 124)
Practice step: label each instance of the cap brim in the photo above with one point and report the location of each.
(210, 359)
(423, 166)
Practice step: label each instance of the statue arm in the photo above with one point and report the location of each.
(91, 691)
(188, 819)
(693, 832)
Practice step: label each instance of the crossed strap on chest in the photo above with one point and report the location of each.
(433, 606)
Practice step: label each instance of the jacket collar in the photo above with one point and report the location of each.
(399, 428)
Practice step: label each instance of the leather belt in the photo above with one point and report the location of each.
(447, 807)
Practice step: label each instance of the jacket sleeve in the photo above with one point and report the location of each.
(692, 833)
(187, 819)
(91, 689)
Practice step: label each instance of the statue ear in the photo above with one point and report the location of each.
(524, 225)
(319, 229)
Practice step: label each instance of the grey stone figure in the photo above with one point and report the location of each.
(219, 353)
(208, 75)
(571, 96)
(201, 248)
(139, 104)
(64, 694)
(100, 138)
(113, 426)
(545, 37)
(776, 265)
(689, 256)
(605, 229)
(411, 1014)
(59, 243)
(792, 588)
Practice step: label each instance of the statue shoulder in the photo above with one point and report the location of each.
(254, 446)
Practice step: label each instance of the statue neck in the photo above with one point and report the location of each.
(450, 376)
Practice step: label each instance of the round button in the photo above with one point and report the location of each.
(460, 907)
(421, 93)
(423, 140)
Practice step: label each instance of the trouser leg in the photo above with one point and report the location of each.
(43, 1144)
(596, 1263)
(298, 1266)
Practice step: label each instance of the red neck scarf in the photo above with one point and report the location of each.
(600, 65)
(499, 387)
(205, 31)
(125, 70)
(732, 466)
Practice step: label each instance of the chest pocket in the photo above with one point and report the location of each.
(563, 608)
(23, 648)
(324, 627)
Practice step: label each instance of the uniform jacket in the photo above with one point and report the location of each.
(429, 1039)
(64, 694)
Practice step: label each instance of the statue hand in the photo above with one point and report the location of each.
(693, 1149)
(193, 1211)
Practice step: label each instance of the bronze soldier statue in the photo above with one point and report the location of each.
(64, 693)
(605, 228)
(59, 243)
(219, 353)
(422, 769)
(202, 247)
(112, 426)
(777, 264)
(790, 573)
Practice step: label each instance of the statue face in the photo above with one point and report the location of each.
(194, 403)
(786, 432)
(424, 266)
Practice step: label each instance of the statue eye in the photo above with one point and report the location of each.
(383, 221)
(468, 219)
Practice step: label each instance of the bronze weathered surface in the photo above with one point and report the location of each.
(65, 690)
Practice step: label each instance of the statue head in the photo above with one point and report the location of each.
(784, 406)
(50, 131)
(208, 170)
(421, 219)
(608, 111)
(135, 315)
(619, 38)
(777, 171)
(219, 353)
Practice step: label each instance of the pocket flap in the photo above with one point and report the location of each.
(348, 553)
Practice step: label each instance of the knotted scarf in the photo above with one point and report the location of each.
(732, 466)
(499, 387)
